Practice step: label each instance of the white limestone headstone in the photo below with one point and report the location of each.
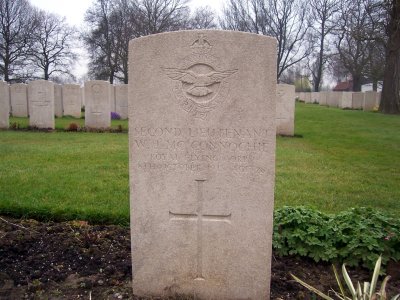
(285, 108)
(97, 104)
(41, 104)
(369, 100)
(19, 100)
(121, 100)
(202, 155)
(4, 105)
(358, 100)
(315, 97)
(346, 100)
(307, 98)
(323, 98)
(72, 97)
(58, 100)
(332, 98)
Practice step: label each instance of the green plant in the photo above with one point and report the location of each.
(357, 236)
(365, 292)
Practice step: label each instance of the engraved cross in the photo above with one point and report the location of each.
(199, 216)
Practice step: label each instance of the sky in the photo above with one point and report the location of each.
(74, 11)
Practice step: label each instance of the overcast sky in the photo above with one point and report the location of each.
(74, 11)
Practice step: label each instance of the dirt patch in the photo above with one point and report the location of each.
(74, 260)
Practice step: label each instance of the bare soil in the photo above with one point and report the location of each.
(75, 260)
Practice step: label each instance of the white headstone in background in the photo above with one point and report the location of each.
(202, 158)
(4, 105)
(97, 104)
(358, 100)
(346, 100)
(314, 97)
(58, 105)
(121, 100)
(307, 98)
(41, 104)
(72, 97)
(19, 100)
(332, 99)
(112, 99)
(370, 100)
(285, 107)
(323, 98)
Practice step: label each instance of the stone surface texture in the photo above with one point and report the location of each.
(19, 100)
(97, 104)
(72, 97)
(332, 99)
(202, 155)
(41, 104)
(323, 98)
(358, 100)
(307, 98)
(285, 106)
(370, 99)
(4, 105)
(345, 101)
(121, 100)
(58, 103)
(314, 97)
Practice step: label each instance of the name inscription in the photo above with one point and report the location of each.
(198, 149)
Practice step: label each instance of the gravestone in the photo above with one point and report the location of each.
(97, 104)
(4, 105)
(41, 104)
(285, 106)
(202, 155)
(19, 100)
(378, 98)
(332, 99)
(323, 98)
(369, 100)
(358, 100)
(346, 99)
(121, 100)
(72, 97)
(307, 98)
(315, 97)
(58, 103)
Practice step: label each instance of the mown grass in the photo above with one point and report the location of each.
(344, 159)
(64, 122)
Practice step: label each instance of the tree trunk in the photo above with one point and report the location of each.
(390, 101)
(356, 83)
(375, 85)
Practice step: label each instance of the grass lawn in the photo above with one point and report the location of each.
(343, 159)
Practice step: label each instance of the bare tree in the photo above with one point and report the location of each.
(322, 16)
(112, 23)
(286, 20)
(355, 37)
(390, 101)
(16, 26)
(157, 16)
(52, 51)
(203, 18)
(100, 40)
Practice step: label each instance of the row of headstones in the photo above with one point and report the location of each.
(366, 101)
(42, 100)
